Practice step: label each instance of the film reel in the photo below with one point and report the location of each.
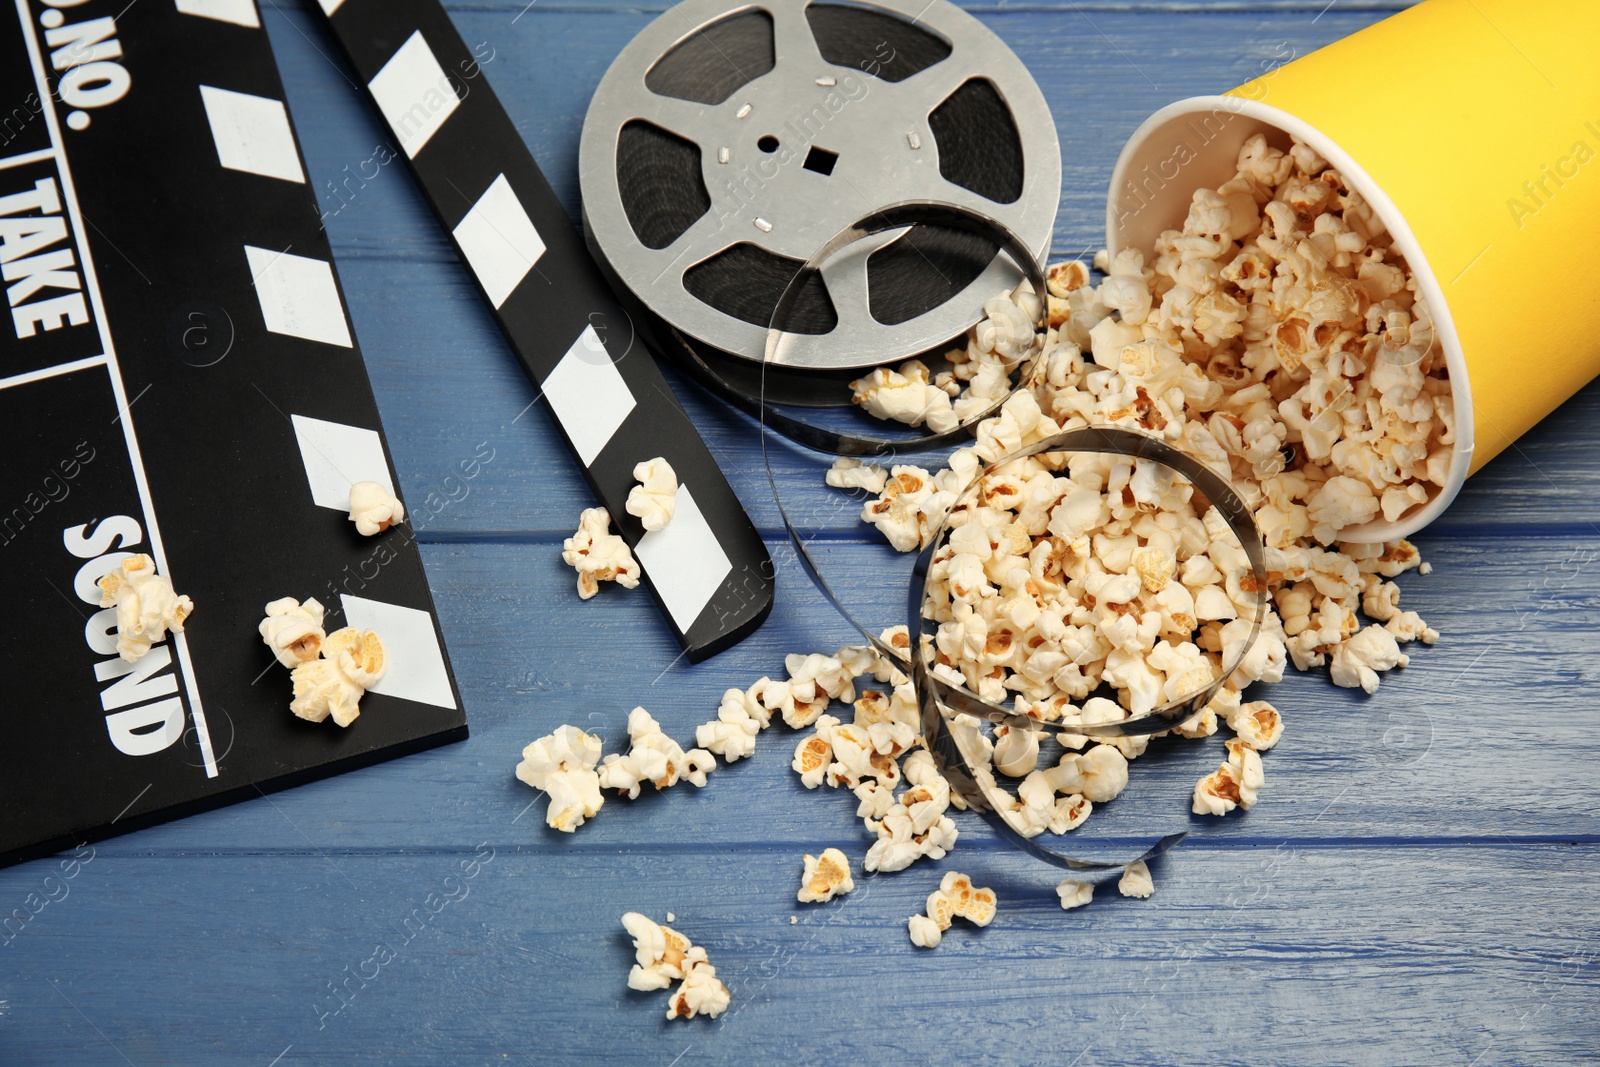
(725, 144)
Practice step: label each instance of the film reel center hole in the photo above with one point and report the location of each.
(820, 160)
(767, 143)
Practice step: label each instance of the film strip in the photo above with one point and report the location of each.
(178, 376)
(708, 569)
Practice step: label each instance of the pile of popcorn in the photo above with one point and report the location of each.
(1278, 338)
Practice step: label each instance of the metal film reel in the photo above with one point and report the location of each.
(726, 143)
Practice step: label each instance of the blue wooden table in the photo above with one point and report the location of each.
(1417, 885)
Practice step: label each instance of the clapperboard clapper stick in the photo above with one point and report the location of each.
(708, 568)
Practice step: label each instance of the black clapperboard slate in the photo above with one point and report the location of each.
(178, 376)
(708, 569)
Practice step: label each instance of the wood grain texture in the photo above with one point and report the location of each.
(1243, 956)
(1415, 886)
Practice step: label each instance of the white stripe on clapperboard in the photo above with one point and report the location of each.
(413, 93)
(69, 198)
(252, 134)
(52, 372)
(27, 157)
(238, 12)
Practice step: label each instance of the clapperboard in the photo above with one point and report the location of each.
(178, 376)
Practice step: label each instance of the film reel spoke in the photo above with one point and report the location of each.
(798, 56)
(939, 81)
(691, 121)
(704, 239)
(848, 284)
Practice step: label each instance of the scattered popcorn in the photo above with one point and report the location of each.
(955, 897)
(899, 845)
(814, 753)
(1074, 894)
(653, 757)
(599, 555)
(147, 607)
(656, 496)
(1016, 752)
(660, 953)
(332, 685)
(847, 473)
(876, 800)
(701, 993)
(925, 933)
(374, 509)
(662, 956)
(293, 631)
(1357, 661)
(732, 734)
(981, 909)
(906, 396)
(909, 509)
(1136, 881)
(911, 827)
(562, 766)
(1257, 723)
(1408, 626)
(825, 877)
(1233, 784)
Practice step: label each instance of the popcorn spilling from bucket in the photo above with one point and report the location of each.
(1279, 338)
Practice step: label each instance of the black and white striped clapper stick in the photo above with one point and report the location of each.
(708, 567)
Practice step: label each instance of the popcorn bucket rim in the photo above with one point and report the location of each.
(1404, 239)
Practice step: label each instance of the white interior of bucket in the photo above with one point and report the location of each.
(1194, 144)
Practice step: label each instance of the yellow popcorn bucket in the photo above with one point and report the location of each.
(1472, 127)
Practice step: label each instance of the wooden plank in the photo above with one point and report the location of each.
(1488, 734)
(1243, 956)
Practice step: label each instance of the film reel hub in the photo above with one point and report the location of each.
(725, 144)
